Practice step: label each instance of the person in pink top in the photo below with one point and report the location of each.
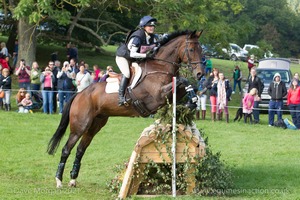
(248, 102)
(47, 78)
(293, 101)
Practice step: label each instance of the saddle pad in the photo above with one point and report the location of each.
(112, 85)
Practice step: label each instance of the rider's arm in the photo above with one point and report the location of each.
(133, 46)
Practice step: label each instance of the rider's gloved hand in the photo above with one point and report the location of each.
(150, 54)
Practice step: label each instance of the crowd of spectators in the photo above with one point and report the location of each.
(47, 87)
(52, 87)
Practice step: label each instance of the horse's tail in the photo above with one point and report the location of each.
(61, 129)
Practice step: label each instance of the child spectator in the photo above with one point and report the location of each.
(201, 103)
(293, 101)
(237, 78)
(5, 84)
(248, 103)
(25, 105)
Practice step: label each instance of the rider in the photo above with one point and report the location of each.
(140, 44)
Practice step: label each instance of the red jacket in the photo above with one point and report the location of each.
(293, 96)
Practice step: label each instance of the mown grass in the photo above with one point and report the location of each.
(264, 160)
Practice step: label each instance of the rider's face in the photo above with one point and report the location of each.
(149, 29)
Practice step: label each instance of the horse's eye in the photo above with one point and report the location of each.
(191, 50)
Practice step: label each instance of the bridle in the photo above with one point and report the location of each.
(191, 65)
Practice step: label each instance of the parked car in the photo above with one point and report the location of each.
(248, 47)
(266, 70)
(235, 52)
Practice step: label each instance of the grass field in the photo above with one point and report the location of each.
(264, 160)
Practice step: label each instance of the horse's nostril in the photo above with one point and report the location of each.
(199, 75)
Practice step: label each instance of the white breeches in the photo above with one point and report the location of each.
(123, 66)
(201, 102)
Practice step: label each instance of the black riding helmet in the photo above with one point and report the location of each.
(147, 21)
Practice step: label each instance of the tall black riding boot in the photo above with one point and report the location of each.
(123, 85)
(8, 107)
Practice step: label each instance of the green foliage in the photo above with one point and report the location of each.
(213, 175)
(183, 114)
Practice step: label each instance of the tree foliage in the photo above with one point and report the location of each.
(100, 22)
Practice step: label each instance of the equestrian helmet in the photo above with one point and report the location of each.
(147, 21)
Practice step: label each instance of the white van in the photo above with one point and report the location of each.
(248, 47)
(235, 52)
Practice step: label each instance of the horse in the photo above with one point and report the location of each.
(88, 111)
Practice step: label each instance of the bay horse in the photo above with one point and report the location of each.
(88, 111)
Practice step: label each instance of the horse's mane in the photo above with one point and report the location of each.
(173, 35)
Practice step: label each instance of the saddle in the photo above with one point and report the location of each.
(113, 83)
(113, 80)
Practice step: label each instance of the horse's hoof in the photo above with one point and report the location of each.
(58, 183)
(72, 183)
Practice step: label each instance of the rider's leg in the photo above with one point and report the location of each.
(124, 68)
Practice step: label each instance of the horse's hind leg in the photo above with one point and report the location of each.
(86, 139)
(63, 159)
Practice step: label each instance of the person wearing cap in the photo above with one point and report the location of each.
(140, 44)
(277, 91)
(251, 62)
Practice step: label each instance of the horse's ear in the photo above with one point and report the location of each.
(199, 33)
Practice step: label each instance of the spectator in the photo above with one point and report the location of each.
(25, 105)
(224, 93)
(4, 62)
(255, 82)
(203, 62)
(237, 79)
(83, 79)
(293, 101)
(72, 52)
(5, 83)
(102, 77)
(15, 54)
(73, 68)
(4, 50)
(296, 76)
(201, 103)
(277, 91)
(248, 102)
(106, 75)
(64, 85)
(208, 65)
(23, 73)
(35, 81)
(211, 85)
(54, 67)
(1, 99)
(47, 79)
(20, 95)
(251, 62)
(96, 73)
